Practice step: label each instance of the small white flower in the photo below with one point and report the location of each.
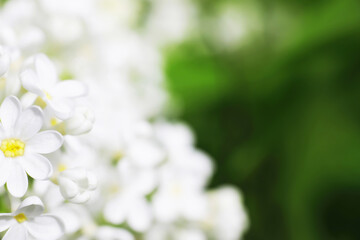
(22, 145)
(28, 221)
(226, 217)
(76, 184)
(81, 122)
(127, 198)
(180, 193)
(39, 77)
(130, 208)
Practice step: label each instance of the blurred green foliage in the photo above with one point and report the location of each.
(280, 114)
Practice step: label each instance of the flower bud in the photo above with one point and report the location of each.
(81, 122)
(76, 184)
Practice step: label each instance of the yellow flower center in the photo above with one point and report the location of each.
(12, 147)
(20, 218)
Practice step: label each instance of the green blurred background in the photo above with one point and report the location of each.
(279, 112)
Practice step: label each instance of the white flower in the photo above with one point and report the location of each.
(22, 145)
(39, 77)
(80, 123)
(28, 221)
(128, 203)
(76, 184)
(133, 209)
(111, 233)
(226, 217)
(181, 189)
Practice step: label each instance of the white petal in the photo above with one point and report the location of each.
(45, 227)
(190, 234)
(28, 99)
(107, 233)
(68, 188)
(31, 207)
(29, 123)
(2, 132)
(76, 174)
(92, 181)
(37, 166)
(116, 210)
(81, 198)
(9, 112)
(30, 82)
(71, 89)
(4, 170)
(6, 220)
(45, 70)
(62, 108)
(45, 142)
(145, 153)
(16, 232)
(140, 216)
(4, 61)
(165, 209)
(71, 219)
(17, 182)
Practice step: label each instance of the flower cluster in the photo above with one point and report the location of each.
(131, 174)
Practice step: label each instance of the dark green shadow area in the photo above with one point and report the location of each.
(280, 114)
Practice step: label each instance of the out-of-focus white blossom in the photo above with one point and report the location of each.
(226, 218)
(39, 77)
(123, 171)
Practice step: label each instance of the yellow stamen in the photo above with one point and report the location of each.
(12, 147)
(62, 167)
(48, 96)
(40, 102)
(53, 121)
(20, 218)
(117, 157)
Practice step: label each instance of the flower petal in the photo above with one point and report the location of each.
(62, 108)
(4, 170)
(9, 112)
(4, 61)
(45, 70)
(116, 210)
(68, 188)
(45, 227)
(29, 122)
(17, 182)
(45, 142)
(31, 207)
(37, 166)
(30, 82)
(17, 232)
(81, 198)
(71, 89)
(6, 220)
(113, 233)
(140, 216)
